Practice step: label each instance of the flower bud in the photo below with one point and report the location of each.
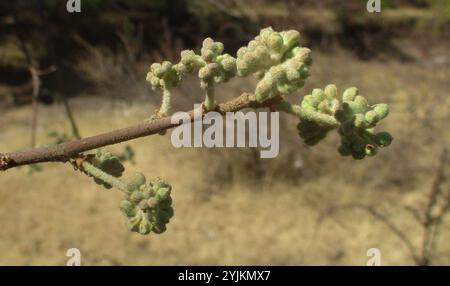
(152, 203)
(135, 181)
(291, 38)
(371, 117)
(350, 94)
(381, 109)
(145, 227)
(127, 208)
(136, 197)
(383, 139)
(330, 91)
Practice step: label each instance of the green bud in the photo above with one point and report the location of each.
(383, 139)
(165, 67)
(191, 61)
(354, 107)
(350, 94)
(359, 121)
(275, 42)
(136, 197)
(127, 208)
(361, 102)
(291, 38)
(228, 63)
(152, 203)
(371, 117)
(382, 110)
(144, 227)
(134, 222)
(330, 91)
(143, 205)
(318, 94)
(162, 194)
(135, 181)
(210, 50)
(208, 72)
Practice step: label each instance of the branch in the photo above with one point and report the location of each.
(65, 151)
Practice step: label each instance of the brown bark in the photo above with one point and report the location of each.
(65, 151)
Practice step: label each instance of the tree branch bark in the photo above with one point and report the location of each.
(65, 151)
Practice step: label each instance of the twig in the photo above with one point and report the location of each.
(432, 222)
(65, 151)
(35, 74)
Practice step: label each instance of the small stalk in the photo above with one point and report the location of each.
(210, 102)
(306, 114)
(165, 105)
(105, 177)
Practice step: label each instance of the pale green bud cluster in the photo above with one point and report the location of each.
(319, 101)
(358, 120)
(268, 49)
(218, 67)
(212, 65)
(286, 77)
(355, 119)
(190, 62)
(163, 75)
(108, 163)
(148, 207)
(282, 66)
(276, 58)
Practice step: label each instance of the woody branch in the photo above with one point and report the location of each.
(65, 151)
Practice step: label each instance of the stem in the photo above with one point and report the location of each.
(210, 102)
(105, 177)
(307, 115)
(65, 151)
(165, 105)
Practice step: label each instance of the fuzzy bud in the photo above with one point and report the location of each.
(358, 120)
(320, 102)
(284, 78)
(148, 208)
(108, 163)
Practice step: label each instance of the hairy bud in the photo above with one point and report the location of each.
(319, 102)
(148, 208)
(358, 120)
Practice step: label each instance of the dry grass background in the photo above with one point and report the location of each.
(231, 208)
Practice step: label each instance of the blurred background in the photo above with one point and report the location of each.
(67, 75)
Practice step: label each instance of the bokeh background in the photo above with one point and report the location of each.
(308, 206)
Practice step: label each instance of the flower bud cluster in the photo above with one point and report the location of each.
(358, 120)
(148, 207)
(319, 101)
